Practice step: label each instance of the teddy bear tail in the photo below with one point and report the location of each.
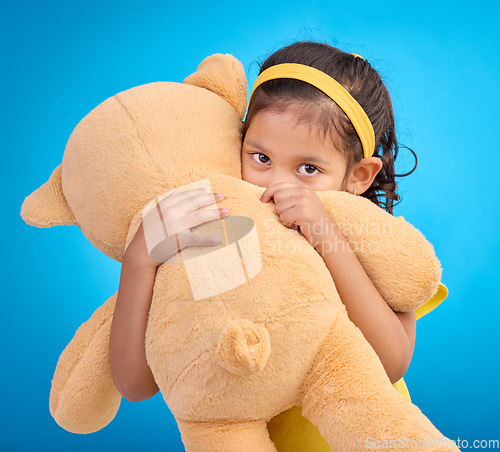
(243, 347)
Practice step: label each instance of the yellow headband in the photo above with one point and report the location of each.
(332, 89)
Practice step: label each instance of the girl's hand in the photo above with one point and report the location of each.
(300, 208)
(160, 237)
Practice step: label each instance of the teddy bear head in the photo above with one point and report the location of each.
(139, 144)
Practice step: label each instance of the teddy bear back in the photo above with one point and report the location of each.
(140, 143)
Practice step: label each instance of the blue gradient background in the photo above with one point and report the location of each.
(61, 59)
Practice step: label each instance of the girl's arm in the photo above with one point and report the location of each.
(127, 353)
(391, 334)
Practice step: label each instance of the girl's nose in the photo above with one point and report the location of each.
(279, 175)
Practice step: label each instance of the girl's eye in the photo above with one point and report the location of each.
(260, 158)
(310, 169)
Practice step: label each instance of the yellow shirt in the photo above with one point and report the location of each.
(290, 431)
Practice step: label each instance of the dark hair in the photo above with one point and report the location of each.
(363, 83)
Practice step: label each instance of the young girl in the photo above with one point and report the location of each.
(324, 122)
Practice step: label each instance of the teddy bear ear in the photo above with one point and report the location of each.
(224, 75)
(47, 206)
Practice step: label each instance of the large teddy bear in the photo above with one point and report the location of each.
(243, 331)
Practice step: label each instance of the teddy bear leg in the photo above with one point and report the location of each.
(349, 397)
(83, 396)
(226, 436)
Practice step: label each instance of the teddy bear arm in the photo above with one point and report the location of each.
(83, 396)
(399, 260)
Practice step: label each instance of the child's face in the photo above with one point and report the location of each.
(278, 149)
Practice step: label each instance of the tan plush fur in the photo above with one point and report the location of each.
(227, 363)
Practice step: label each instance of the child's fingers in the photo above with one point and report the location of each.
(201, 200)
(288, 218)
(177, 196)
(176, 224)
(202, 240)
(190, 200)
(187, 239)
(271, 191)
(198, 217)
